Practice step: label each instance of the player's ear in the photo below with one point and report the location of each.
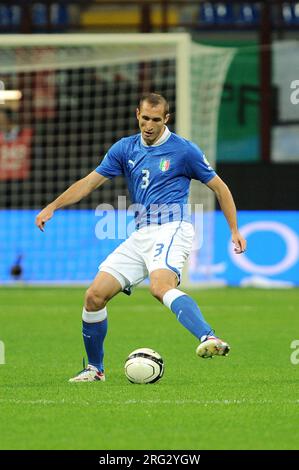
(166, 119)
(137, 113)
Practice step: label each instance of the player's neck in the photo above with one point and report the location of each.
(165, 135)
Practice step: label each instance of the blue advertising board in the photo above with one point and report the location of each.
(74, 243)
(271, 258)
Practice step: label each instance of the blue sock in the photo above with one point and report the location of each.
(93, 336)
(188, 313)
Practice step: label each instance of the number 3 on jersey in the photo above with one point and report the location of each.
(145, 179)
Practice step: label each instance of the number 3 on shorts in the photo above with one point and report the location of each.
(145, 179)
(159, 248)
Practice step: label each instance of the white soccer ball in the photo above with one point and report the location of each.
(144, 366)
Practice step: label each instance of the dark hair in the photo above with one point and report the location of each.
(155, 99)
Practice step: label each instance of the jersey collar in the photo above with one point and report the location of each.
(164, 137)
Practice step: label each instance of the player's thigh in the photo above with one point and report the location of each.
(103, 288)
(172, 247)
(126, 264)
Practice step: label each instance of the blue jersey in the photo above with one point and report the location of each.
(158, 176)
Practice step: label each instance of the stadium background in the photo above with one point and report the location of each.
(250, 400)
(257, 147)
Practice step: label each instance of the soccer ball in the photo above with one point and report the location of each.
(144, 366)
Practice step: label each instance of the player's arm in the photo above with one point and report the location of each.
(73, 194)
(228, 208)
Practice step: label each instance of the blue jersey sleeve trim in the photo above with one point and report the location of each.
(209, 178)
(102, 172)
(196, 165)
(112, 165)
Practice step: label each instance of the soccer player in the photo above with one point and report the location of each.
(158, 166)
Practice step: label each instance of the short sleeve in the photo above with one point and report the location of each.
(111, 165)
(197, 166)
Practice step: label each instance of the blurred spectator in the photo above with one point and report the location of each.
(15, 146)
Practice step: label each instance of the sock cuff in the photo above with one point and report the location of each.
(172, 295)
(94, 317)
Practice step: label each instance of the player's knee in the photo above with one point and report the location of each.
(95, 300)
(158, 290)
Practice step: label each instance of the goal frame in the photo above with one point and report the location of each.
(181, 42)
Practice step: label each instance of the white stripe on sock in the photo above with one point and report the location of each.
(94, 317)
(171, 295)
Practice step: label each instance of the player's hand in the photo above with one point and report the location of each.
(239, 242)
(43, 217)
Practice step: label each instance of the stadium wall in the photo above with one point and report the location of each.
(262, 186)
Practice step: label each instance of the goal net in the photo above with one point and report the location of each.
(64, 100)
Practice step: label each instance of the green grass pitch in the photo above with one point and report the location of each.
(249, 400)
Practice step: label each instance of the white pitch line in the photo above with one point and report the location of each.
(63, 401)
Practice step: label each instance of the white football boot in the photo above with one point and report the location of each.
(212, 346)
(89, 374)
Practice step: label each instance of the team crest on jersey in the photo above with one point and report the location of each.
(164, 164)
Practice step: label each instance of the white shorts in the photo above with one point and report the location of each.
(165, 246)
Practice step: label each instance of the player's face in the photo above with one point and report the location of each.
(151, 121)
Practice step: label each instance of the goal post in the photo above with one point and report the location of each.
(140, 46)
(79, 95)
(209, 66)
